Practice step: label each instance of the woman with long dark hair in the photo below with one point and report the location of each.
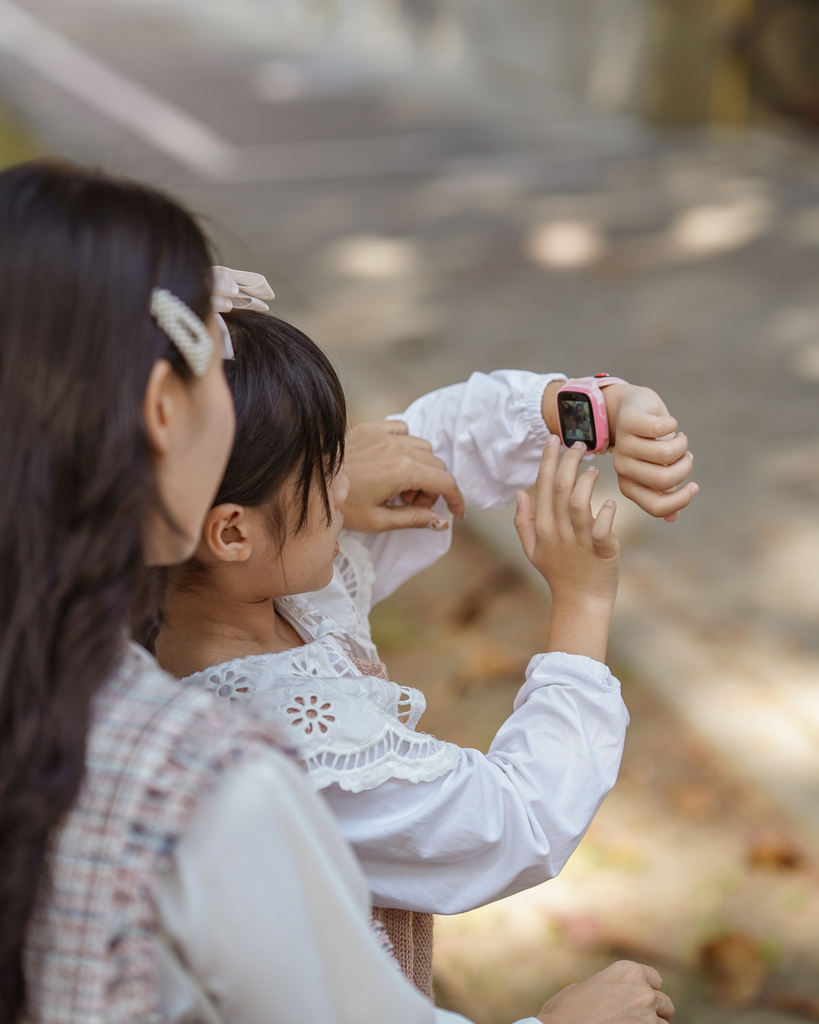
(156, 863)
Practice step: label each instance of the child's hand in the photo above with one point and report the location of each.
(650, 457)
(578, 555)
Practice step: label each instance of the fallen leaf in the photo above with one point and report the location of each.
(735, 966)
(788, 1002)
(485, 663)
(699, 801)
(772, 852)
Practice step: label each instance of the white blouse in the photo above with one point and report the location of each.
(265, 915)
(436, 827)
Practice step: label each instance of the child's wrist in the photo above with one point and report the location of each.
(613, 396)
(580, 627)
(548, 406)
(585, 602)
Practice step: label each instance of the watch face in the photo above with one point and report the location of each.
(574, 410)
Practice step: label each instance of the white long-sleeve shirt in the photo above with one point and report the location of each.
(439, 828)
(490, 433)
(264, 915)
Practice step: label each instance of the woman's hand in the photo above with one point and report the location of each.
(383, 462)
(577, 555)
(624, 993)
(650, 458)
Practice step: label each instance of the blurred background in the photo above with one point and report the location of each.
(440, 186)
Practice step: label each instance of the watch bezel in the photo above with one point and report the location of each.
(575, 397)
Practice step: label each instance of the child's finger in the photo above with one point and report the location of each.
(604, 542)
(663, 452)
(564, 483)
(656, 503)
(525, 523)
(544, 485)
(580, 503)
(660, 478)
(646, 424)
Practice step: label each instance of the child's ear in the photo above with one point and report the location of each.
(227, 533)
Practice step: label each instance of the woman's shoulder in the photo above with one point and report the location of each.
(142, 691)
(142, 707)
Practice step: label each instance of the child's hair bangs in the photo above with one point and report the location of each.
(323, 415)
(291, 417)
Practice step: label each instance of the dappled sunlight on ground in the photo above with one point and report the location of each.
(685, 867)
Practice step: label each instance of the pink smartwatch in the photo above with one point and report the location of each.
(581, 411)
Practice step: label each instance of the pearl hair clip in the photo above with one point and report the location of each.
(184, 328)
(232, 289)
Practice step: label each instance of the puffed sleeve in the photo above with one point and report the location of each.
(501, 822)
(490, 433)
(265, 916)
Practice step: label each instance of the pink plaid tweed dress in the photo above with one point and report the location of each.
(409, 931)
(154, 749)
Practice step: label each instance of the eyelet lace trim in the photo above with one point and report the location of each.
(352, 730)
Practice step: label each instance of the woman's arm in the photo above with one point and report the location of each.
(265, 916)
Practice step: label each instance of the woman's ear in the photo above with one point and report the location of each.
(158, 407)
(227, 533)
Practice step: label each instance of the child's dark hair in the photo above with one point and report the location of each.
(291, 417)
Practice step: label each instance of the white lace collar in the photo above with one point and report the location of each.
(353, 730)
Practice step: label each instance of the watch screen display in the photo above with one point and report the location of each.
(576, 419)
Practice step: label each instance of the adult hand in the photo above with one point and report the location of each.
(624, 993)
(383, 462)
(651, 458)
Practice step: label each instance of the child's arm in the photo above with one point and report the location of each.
(489, 432)
(499, 823)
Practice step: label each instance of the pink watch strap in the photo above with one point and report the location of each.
(596, 383)
(602, 380)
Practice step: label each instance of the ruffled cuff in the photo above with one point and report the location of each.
(574, 669)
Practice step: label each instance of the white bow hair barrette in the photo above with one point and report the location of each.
(239, 289)
(232, 289)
